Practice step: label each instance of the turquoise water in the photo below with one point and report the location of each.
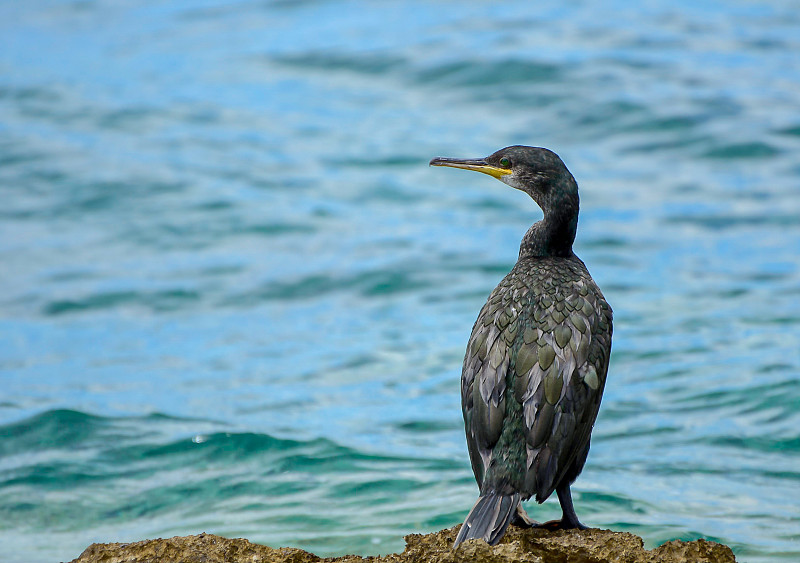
(235, 299)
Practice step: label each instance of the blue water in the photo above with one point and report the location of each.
(235, 298)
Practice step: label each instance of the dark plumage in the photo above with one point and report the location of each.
(537, 358)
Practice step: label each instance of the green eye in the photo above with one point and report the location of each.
(505, 163)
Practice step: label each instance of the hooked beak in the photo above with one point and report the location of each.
(478, 164)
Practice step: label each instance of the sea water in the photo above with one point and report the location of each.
(235, 299)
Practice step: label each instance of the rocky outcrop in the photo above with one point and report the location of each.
(530, 546)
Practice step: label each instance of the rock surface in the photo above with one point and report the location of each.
(533, 546)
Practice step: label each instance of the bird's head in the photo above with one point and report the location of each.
(536, 171)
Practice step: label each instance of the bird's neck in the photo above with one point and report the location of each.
(552, 236)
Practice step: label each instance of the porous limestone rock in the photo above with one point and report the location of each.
(518, 546)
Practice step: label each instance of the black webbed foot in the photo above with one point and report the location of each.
(522, 520)
(562, 524)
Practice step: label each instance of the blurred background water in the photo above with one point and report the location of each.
(235, 299)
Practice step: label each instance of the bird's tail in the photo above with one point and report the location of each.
(489, 518)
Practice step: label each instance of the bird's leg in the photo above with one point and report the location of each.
(521, 518)
(569, 520)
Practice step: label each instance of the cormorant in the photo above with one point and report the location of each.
(537, 359)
